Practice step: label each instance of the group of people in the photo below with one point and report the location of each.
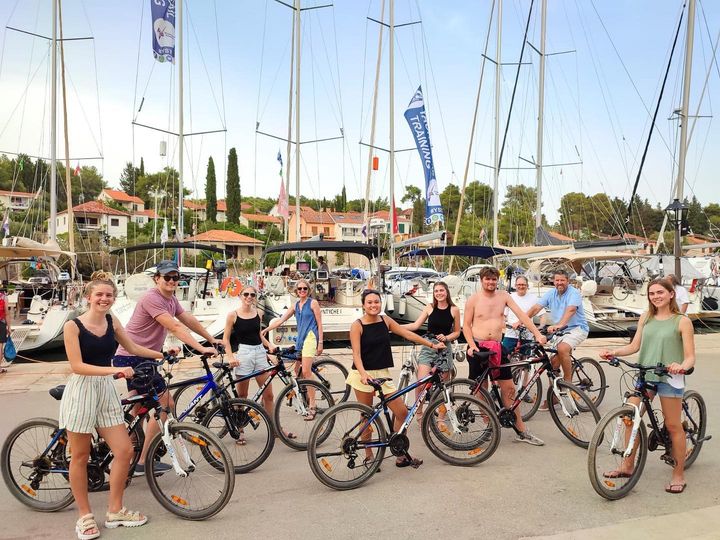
(491, 320)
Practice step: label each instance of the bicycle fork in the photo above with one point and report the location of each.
(568, 406)
(637, 419)
(177, 450)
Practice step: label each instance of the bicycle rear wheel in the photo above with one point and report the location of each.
(344, 450)
(332, 375)
(588, 376)
(574, 414)
(530, 403)
(34, 470)
(292, 412)
(613, 476)
(694, 422)
(207, 480)
(472, 438)
(245, 430)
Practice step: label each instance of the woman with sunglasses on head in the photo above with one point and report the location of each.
(308, 318)
(372, 359)
(443, 320)
(243, 338)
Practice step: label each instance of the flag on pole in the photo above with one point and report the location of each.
(6, 225)
(364, 230)
(76, 172)
(283, 209)
(21, 163)
(163, 23)
(164, 233)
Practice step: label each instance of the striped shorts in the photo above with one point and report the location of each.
(90, 402)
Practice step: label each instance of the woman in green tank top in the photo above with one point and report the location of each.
(664, 336)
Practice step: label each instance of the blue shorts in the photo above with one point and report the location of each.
(141, 387)
(664, 389)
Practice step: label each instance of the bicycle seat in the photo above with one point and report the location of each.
(221, 365)
(57, 392)
(377, 383)
(481, 355)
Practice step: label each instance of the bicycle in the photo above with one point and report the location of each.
(576, 416)
(587, 375)
(459, 429)
(35, 459)
(622, 435)
(409, 367)
(289, 415)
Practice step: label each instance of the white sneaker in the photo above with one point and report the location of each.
(529, 438)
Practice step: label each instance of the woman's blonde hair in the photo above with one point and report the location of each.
(100, 277)
(666, 284)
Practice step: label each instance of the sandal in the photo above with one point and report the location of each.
(310, 416)
(403, 461)
(617, 474)
(676, 489)
(84, 525)
(124, 518)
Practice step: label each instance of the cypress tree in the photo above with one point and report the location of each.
(211, 191)
(233, 188)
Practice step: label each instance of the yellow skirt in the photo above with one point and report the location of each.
(354, 380)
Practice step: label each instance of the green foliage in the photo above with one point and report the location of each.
(129, 177)
(516, 224)
(414, 195)
(450, 200)
(232, 190)
(211, 192)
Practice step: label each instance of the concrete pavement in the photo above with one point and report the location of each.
(520, 492)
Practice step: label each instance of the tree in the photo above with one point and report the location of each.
(142, 167)
(697, 220)
(233, 188)
(128, 178)
(516, 225)
(211, 192)
(414, 195)
(479, 199)
(450, 200)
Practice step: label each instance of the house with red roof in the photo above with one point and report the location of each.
(94, 216)
(16, 200)
(239, 246)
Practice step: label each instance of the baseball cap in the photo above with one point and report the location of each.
(165, 267)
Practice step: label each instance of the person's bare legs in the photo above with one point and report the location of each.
(80, 448)
(507, 392)
(672, 410)
(152, 428)
(423, 370)
(119, 442)
(366, 398)
(307, 362)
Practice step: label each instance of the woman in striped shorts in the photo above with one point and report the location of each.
(90, 403)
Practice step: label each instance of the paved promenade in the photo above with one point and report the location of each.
(520, 492)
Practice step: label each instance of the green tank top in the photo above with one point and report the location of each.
(661, 344)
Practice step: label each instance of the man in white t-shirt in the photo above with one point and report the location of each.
(681, 294)
(525, 300)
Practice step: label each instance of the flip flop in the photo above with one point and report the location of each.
(241, 441)
(312, 411)
(405, 462)
(290, 435)
(676, 489)
(617, 474)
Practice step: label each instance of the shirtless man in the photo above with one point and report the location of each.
(483, 326)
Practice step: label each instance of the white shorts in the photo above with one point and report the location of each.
(90, 402)
(252, 358)
(574, 337)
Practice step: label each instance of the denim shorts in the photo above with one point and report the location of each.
(252, 358)
(445, 361)
(664, 389)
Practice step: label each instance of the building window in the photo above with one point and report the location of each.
(314, 231)
(251, 250)
(401, 228)
(114, 222)
(327, 231)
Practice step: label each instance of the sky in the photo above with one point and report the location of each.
(599, 93)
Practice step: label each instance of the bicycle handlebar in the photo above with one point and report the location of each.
(658, 369)
(167, 357)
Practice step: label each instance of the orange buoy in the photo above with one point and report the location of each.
(231, 285)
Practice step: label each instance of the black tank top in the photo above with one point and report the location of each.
(375, 346)
(245, 332)
(441, 321)
(97, 350)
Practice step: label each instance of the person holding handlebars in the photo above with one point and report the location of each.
(664, 336)
(90, 402)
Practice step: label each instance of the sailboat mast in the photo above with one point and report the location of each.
(68, 186)
(680, 183)
(366, 210)
(181, 124)
(289, 131)
(541, 111)
(496, 175)
(297, 121)
(391, 58)
(52, 227)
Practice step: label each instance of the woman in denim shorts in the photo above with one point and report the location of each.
(664, 336)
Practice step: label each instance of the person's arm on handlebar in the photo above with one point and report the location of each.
(355, 333)
(632, 348)
(688, 338)
(229, 321)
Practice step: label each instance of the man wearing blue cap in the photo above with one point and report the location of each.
(157, 313)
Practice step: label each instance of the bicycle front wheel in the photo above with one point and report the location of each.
(332, 375)
(694, 422)
(612, 475)
(202, 477)
(530, 403)
(588, 376)
(294, 417)
(465, 433)
(345, 449)
(573, 412)
(246, 431)
(35, 464)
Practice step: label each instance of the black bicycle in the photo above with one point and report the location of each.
(35, 458)
(571, 409)
(620, 445)
(348, 445)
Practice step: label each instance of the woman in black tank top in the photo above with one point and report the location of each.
(244, 339)
(443, 320)
(372, 358)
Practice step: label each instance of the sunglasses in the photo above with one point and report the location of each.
(171, 278)
(302, 288)
(251, 294)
